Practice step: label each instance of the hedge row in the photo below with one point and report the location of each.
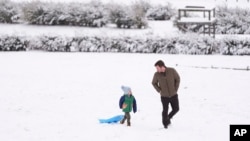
(77, 14)
(13, 43)
(232, 20)
(94, 13)
(97, 14)
(185, 44)
(235, 46)
(229, 21)
(8, 11)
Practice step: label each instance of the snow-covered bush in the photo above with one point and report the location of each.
(77, 14)
(94, 14)
(55, 43)
(194, 44)
(235, 46)
(33, 12)
(86, 45)
(138, 14)
(13, 43)
(182, 44)
(161, 12)
(229, 21)
(133, 16)
(92, 44)
(167, 45)
(232, 20)
(116, 12)
(8, 12)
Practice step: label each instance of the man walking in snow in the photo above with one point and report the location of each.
(166, 81)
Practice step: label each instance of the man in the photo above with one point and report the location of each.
(166, 81)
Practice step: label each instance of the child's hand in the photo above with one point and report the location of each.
(124, 106)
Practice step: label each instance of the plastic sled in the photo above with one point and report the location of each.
(114, 119)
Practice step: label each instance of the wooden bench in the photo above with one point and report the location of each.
(197, 9)
(207, 22)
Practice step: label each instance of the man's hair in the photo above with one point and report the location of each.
(160, 63)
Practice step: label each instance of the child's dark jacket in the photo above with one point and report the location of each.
(127, 103)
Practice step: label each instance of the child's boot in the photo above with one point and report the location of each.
(128, 124)
(122, 121)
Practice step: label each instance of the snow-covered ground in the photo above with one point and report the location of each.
(156, 28)
(60, 96)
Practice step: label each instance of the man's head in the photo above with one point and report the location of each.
(160, 66)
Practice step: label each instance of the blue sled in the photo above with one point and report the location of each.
(114, 119)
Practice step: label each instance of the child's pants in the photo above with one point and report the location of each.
(126, 117)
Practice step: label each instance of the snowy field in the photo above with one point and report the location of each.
(156, 28)
(60, 96)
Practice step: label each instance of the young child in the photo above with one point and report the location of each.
(127, 103)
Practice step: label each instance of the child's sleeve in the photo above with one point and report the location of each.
(121, 101)
(134, 106)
